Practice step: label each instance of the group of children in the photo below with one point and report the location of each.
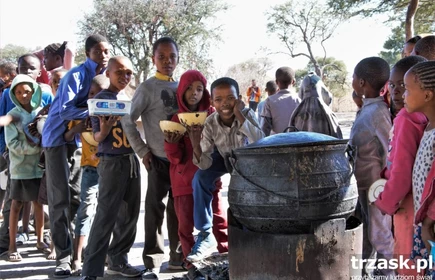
(395, 142)
(184, 170)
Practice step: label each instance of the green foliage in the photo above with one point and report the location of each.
(11, 53)
(393, 46)
(132, 26)
(334, 75)
(303, 24)
(396, 9)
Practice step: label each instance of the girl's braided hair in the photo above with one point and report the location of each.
(425, 74)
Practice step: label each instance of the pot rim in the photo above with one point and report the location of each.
(302, 144)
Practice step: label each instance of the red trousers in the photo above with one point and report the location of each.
(184, 210)
(403, 222)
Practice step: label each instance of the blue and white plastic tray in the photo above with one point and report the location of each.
(107, 107)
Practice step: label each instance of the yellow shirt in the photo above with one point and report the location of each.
(89, 152)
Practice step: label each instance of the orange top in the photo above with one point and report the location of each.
(89, 157)
(253, 94)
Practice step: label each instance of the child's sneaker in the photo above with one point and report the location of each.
(125, 270)
(22, 238)
(204, 246)
(151, 274)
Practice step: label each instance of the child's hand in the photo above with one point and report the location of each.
(238, 106)
(80, 127)
(32, 127)
(44, 111)
(172, 137)
(107, 122)
(195, 133)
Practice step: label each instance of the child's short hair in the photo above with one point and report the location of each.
(21, 58)
(373, 70)
(164, 40)
(285, 75)
(101, 80)
(93, 40)
(60, 70)
(426, 47)
(225, 81)
(413, 40)
(271, 86)
(56, 49)
(425, 73)
(9, 68)
(406, 63)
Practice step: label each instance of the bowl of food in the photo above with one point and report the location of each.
(170, 126)
(88, 136)
(191, 119)
(40, 123)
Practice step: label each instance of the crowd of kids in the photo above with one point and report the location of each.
(87, 168)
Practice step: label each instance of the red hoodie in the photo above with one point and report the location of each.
(403, 145)
(180, 154)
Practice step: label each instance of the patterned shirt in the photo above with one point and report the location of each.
(224, 138)
(422, 166)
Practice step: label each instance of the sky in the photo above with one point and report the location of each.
(244, 32)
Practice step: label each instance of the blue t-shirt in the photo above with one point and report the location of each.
(116, 142)
(69, 103)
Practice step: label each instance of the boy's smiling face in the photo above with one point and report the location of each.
(120, 72)
(224, 99)
(193, 95)
(166, 58)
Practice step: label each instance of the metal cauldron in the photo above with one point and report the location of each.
(285, 182)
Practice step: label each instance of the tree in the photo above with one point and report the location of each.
(132, 26)
(393, 46)
(11, 53)
(246, 71)
(306, 23)
(411, 13)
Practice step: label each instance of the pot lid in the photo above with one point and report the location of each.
(300, 138)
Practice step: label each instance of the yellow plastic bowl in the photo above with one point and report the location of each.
(171, 126)
(89, 137)
(191, 119)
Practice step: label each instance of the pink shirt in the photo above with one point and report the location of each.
(404, 139)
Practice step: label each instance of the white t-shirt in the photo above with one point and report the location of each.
(422, 165)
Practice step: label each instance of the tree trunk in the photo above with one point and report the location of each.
(409, 21)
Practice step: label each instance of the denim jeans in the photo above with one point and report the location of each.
(204, 184)
(88, 200)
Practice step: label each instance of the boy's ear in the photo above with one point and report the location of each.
(152, 58)
(362, 82)
(39, 73)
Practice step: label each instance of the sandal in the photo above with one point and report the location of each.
(14, 257)
(44, 248)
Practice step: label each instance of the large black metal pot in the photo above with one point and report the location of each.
(285, 182)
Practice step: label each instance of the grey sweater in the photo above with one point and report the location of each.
(153, 101)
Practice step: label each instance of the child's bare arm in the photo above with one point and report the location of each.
(78, 128)
(106, 124)
(195, 133)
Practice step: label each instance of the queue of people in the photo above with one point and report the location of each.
(95, 181)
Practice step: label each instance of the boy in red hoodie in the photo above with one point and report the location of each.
(192, 96)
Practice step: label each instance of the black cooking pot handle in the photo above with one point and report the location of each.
(351, 156)
(233, 162)
(289, 128)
